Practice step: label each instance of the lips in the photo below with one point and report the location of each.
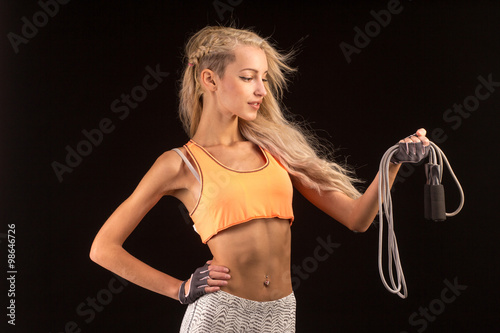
(255, 104)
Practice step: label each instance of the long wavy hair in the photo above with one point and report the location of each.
(297, 148)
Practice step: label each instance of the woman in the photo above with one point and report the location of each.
(236, 177)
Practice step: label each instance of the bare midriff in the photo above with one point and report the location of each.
(257, 254)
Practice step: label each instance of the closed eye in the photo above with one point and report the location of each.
(248, 79)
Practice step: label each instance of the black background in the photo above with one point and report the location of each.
(64, 79)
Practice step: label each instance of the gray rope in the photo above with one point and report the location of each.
(436, 156)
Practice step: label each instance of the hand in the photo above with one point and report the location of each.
(206, 279)
(412, 149)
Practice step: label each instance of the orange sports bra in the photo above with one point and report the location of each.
(229, 197)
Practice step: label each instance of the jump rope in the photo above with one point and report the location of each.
(434, 208)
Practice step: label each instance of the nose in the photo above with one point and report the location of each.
(260, 89)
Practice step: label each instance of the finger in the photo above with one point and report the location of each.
(211, 289)
(423, 138)
(217, 283)
(217, 268)
(218, 276)
(418, 136)
(414, 138)
(425, 141)
(406, 140)
(421, 132)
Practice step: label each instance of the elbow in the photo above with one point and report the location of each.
(103, 252)
(96, 252)
(359, 223)
(359, 227)
(358, 230)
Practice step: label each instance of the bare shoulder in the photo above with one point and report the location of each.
(171, 163)
(169, 160)
(166, 174)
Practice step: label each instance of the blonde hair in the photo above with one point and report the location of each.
(295, 147)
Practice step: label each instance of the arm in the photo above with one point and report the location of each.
(355, 214)
(166, 177)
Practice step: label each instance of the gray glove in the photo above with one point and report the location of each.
(411, 152)
(196, 286)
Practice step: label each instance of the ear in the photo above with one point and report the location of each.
(209, 80)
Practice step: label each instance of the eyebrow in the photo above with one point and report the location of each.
(251, 69)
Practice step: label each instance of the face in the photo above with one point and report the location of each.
(241, 90)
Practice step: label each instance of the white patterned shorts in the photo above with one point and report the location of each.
(222, 312)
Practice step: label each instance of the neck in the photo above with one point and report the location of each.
(216, 128)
